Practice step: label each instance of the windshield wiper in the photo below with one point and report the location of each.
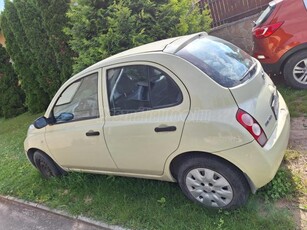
(248, 71)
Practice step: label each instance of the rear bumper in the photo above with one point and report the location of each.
(274, 64)
(261, 164)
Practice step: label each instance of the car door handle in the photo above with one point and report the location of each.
(92, 133)
(165, 129)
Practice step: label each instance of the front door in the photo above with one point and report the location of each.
(76, 139)
(146, 107)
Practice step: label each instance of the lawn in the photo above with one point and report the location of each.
(296, 99)
(133, 203)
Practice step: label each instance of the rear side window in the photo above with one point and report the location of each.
(222, 61)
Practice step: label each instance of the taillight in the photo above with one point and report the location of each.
(252, 126)
(266, 31)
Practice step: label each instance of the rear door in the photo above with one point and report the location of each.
(146, 107)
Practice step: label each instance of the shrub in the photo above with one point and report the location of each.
(102, 28)
(11, 95)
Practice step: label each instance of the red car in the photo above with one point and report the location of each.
(280, 40)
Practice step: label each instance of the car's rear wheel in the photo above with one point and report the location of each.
(213, 183)
(295, 70)
(46, 165)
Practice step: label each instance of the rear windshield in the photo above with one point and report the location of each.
(222, 61)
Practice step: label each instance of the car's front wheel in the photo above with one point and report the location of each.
(46, 165)
(295, 70)
(213, 183)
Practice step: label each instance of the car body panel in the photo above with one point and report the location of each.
(261, 164)
(255, 97)
(36, 140)
(70, 146)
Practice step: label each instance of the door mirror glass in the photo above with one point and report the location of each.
(40, 122)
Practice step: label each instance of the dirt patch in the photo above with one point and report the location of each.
(299, 214)
(298, 135)
(298, 167)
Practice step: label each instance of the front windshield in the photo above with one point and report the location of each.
(222, 61)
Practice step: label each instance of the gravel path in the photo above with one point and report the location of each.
(298, 135)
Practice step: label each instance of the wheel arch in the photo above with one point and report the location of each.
(289, 54)
(176, 161)
(30, 155)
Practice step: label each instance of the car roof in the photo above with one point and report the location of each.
(170, 45)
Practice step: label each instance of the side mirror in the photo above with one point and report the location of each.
(40, 122)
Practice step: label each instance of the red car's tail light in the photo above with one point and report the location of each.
(266, 31)
(252, 126)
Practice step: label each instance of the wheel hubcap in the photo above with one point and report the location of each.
(300, 72)
(209, 187)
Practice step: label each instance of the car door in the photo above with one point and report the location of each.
(146, 106)
(76, 139)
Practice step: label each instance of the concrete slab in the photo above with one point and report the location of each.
(14, 215)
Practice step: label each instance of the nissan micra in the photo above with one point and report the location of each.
(193, 109)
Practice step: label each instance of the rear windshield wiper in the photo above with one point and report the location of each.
(248, 71)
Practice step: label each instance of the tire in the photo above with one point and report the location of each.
(46, 165)
(295, 70)
(213, 183)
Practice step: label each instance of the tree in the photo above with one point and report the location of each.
(19, 50)
(53, 14)
(100, 28)
(11, 95)
(87, 20)
(48, 75)
(38, 47)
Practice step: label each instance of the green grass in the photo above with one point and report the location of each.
(295, 99)
(133, 203)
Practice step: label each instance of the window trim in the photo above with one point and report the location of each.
(158, 66)
(51, 114)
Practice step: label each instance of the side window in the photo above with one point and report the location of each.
(164, 92)
(138, 88)
(128, 89)
(78, 101)
(305, 2)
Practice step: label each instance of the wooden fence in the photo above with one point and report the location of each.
(225, 11)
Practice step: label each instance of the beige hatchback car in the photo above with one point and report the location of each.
(194, 109)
